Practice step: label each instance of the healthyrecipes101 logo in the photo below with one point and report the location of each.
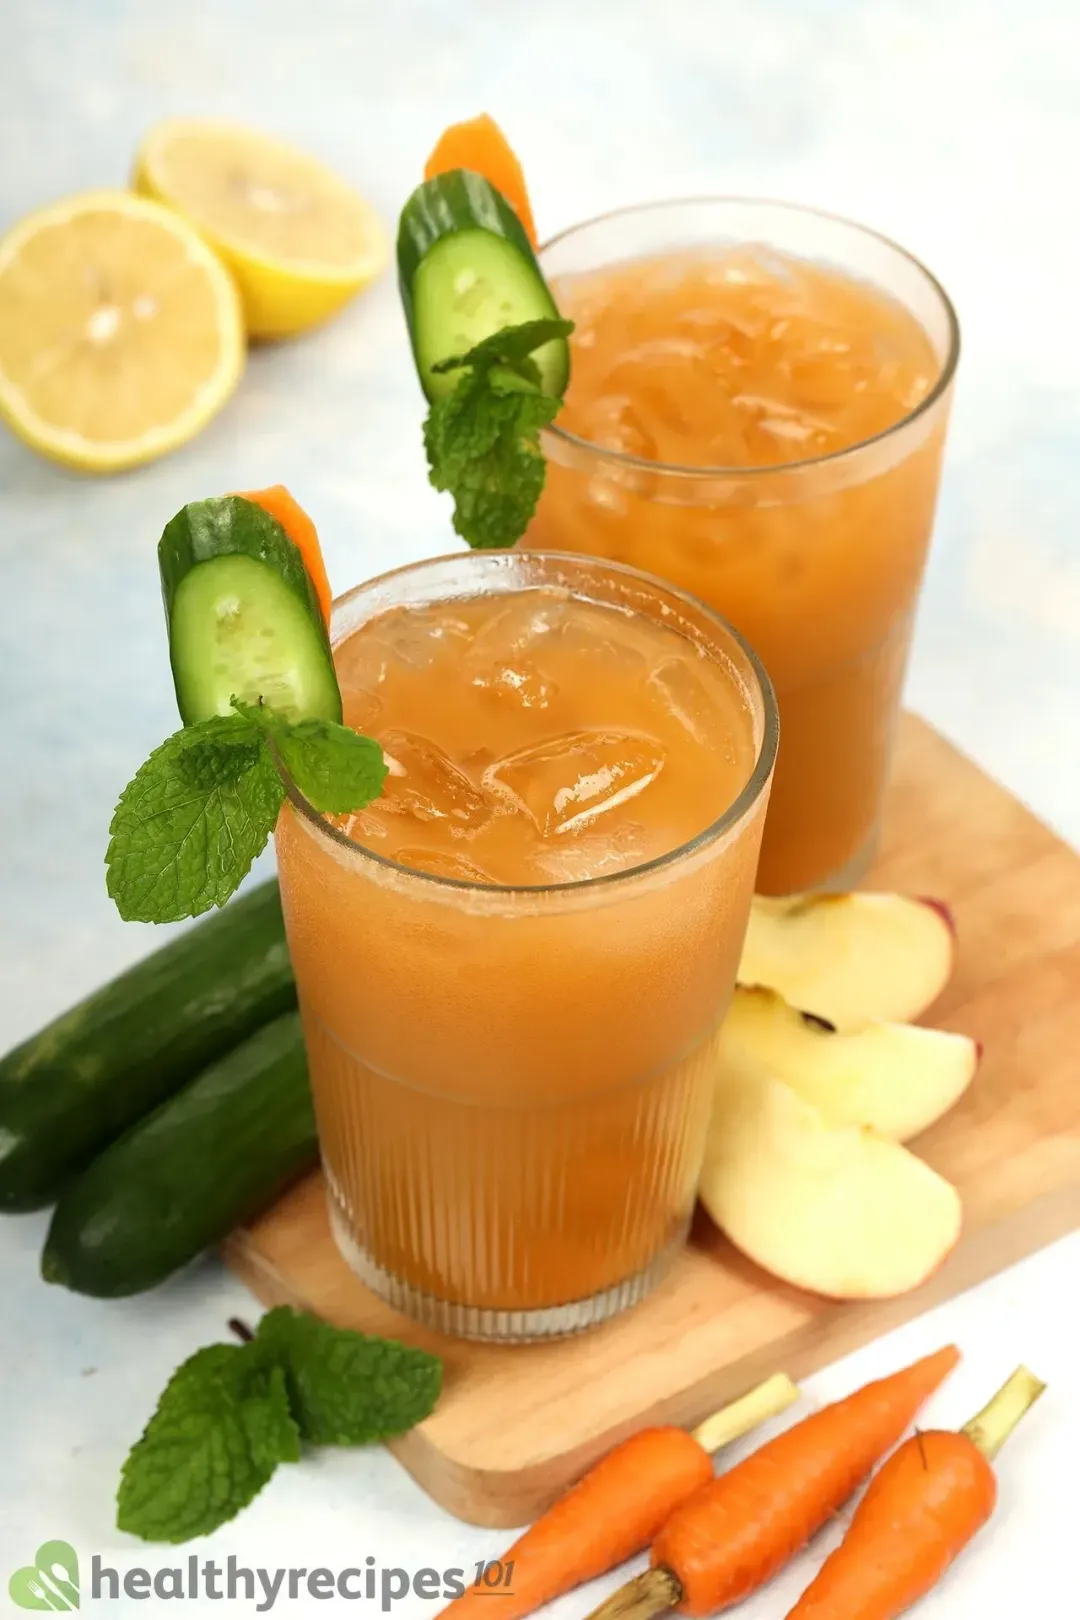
(51, 1582)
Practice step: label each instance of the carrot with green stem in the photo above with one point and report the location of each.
(617, 1508)
(736, 1531)
(920, 1511)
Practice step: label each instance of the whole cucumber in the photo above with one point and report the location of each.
(75, 1086)
(182, 1178)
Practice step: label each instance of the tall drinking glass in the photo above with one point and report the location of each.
(512, 1080)
(757, 409)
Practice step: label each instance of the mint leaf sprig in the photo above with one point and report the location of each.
(196, 814)
(221, 1428)
(231, 1413)
(483, 438)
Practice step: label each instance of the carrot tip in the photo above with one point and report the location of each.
(287, 511)
(480, 145)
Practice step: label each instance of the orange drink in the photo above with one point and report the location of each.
(756, 411)
(513, 964)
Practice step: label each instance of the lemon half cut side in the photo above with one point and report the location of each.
(121, 333)
(299, 240)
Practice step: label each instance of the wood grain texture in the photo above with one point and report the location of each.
(516, 1425)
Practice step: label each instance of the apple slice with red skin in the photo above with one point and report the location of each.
(895, 1078)
(835, 1209)
(851, 958)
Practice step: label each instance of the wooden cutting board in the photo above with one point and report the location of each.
(516, 1425)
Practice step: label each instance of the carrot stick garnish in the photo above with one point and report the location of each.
(737, 1530)
(921, 1510)
(617, 1508)
(480, 145)
(301, 531)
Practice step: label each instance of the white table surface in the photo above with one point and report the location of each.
(952, 128)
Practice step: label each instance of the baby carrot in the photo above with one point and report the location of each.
(922, 1508)
(737, 1530)
(301, 531)
(480, 145)
(617, 1508)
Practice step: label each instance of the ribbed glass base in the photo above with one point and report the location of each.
(498, 1326)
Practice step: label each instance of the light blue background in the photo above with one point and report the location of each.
(954, 128)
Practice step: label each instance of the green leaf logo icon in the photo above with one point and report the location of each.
(51, 1582)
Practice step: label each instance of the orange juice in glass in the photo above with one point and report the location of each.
(512, 965)
(756, 411)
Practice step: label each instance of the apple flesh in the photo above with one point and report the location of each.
(895, 1078)
(834, 1209)
(851, 958)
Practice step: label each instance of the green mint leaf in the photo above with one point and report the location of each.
(335, 768)
(220, 1430)
(191, 821)
(483, 446)
(218, 754)
(272, 1433)
(348, 1389)
(483, 439)
(512, 346)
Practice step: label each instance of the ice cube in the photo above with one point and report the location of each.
(684, 693)
(591, 854)
(361, 708)
(517, 625)
(442, 863)
(568, 782)
(361, 827)
(605, 636)
(516, 652)
(423, 782)
(614, 422)
(502, 659)
(754, 265)
(414, 637)
(519, 683)
(667, 379)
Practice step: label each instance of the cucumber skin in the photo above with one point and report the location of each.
(185, 1176)
(454, 201)
(75, 1086)
(225, 525)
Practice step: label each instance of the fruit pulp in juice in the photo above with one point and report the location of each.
(512, 1088)
(747, 360)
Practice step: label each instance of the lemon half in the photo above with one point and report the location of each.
(299, 241)
(121, 333)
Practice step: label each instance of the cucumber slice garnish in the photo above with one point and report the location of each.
(238, 631)
(466, 269)
(243, 617)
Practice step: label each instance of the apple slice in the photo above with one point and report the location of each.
(832, 1208)
(895, 1078)
(851, 958)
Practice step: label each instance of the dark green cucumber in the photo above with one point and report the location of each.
(71, 1089)
(466, 269)
(182, 1178)
(244, 620)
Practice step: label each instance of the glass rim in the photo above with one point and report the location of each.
(679, 470)
(732, 815)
